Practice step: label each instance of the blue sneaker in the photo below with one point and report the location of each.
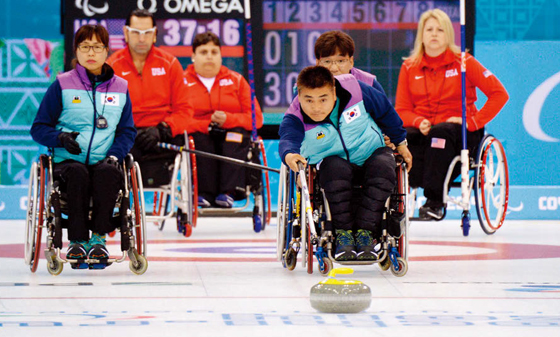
(224, 200)
(365, 245)
(203, 203)
(345, 246)
(98, 250)
(77, 250)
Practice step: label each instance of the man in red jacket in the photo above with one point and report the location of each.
(160, 105)
(222, 121)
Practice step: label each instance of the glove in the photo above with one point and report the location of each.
(215, 131)
(68, 140)
(111, 160)
(148, 138)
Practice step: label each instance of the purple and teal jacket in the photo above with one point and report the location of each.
(364, 116)
(71, 103)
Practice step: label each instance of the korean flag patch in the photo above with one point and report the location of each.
(110, 99)
(352, 114)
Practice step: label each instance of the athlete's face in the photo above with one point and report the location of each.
(338, 64)
(317, 103)
(95, 56)
(140, 35)
(207, 59)
(434, 38)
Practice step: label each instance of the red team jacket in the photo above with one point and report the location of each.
(432, 90)
(159, 93)
(230, 93)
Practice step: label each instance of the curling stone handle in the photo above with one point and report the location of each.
(344, 271)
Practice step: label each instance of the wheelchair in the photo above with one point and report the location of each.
(304, 223)
(46, 205)
(489, 177)
(182, 192)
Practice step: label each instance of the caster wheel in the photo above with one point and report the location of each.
(327, 267)
(140, 267)
(257, 223)
(385, 264)
(54, 267)
(403, 267)
(465, 224)
(187, 229)
(291, 259)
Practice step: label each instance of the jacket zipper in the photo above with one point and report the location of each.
(94, 124)
(341, 140)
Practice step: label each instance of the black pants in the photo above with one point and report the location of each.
(432, 155)
(156, 165)
(100, 183)
(217, 177)
(377, 178)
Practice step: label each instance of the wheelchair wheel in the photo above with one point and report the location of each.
(183, 225)
(402, 267)
(491, 184)
(194, 180)
(138, 208)
(402, 191)
(35, 214)
(281, 212)
(54, 266)
(259, 212)
(140, 266)
(291, 258)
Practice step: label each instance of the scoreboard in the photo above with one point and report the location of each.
(284, 33)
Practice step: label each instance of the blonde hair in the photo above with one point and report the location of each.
(445, 23)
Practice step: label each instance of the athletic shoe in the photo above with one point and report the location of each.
(345, 246)
(224, 200)
(365, 245)
(98, 250)
(77, 250)
(432, 210)
(203, 203)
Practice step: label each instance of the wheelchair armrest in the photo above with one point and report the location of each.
(129, 160)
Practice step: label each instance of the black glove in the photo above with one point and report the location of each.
(147, 138)
(68, 140)
(215, 131)
(111, 160)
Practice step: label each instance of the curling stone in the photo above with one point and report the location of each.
(340, 296)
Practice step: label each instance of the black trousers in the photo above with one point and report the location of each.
(377, 178)
(432, 155)
(217, 177)
(81, 183)
(156, 165)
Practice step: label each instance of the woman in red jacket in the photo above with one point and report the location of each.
(429, 103)
(222, 121)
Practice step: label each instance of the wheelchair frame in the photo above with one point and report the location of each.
(299, 223)
(187, 203)
(490, 182)
(44, 211)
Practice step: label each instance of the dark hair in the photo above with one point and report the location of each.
(328, 43)
(204, 38)
(87, 32)
(314, 77)
(140, 13)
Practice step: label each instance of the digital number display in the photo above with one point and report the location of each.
(383, 33)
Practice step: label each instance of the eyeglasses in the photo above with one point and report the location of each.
(138, 32)
(338, 63)
(84, 48)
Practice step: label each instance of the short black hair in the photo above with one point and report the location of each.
(87, 32)
(314, 77)
(140, 13)
(329, 42)
(204, 38)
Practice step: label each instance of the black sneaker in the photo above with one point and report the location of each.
(365, 245)
(345, 246)
(98, 250)
(77, 250)
(432, 210)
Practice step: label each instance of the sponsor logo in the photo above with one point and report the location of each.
(225, 82)
(550, 203)
(533, 107)
(418, 77)
(203, 6)
(158, 71)
(191, 84)
(320, 135)
(76, 99)
(124, 73)
(110, 99)
(451, 73)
